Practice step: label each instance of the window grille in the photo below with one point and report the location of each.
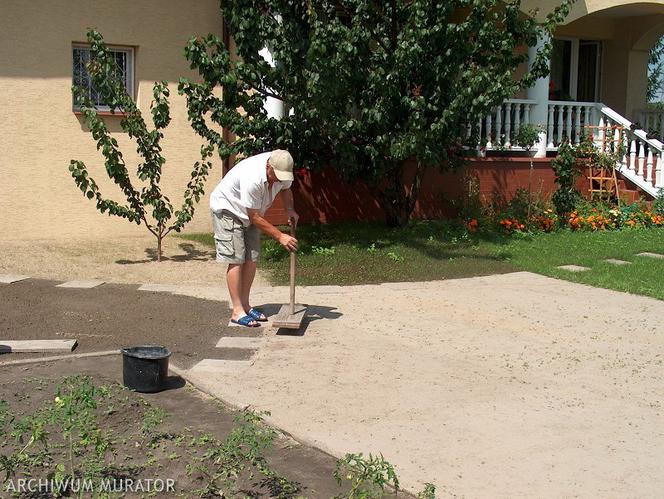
(124, 58)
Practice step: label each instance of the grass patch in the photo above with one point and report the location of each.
(542, 253)
(346, 254)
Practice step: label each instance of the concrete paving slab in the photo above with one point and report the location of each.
(81, 284)
(23, 346)
(617, 262)
(651, 255)
(219, 366)
(161, 288)
(573, 268)
(11, 278)
(240, 342)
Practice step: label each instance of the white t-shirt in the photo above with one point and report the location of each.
(245, 186)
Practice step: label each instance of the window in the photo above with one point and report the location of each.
(589, 71)
(575, 70)
(561, 70)
(124, 57)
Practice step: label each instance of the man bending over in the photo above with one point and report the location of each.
(238, 205)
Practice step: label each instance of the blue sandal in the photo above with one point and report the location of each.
(245, 321)
(257, 315)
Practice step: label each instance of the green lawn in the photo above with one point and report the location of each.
(542, 253)
(371, 253)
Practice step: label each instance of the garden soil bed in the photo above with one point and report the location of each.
(164, 451)
(113, 316)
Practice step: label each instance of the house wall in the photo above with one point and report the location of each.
(39, 133)
(581, 8)
(627, 30)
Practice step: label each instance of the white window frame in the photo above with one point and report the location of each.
(129, 81)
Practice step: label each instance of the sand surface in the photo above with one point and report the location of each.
(514, 385)
(122, 260)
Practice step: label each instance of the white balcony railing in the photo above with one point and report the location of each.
(642, 163)
(498, 129)
(566, 121)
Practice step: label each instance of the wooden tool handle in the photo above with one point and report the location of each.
(292, 269)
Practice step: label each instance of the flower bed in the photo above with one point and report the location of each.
(528, 213)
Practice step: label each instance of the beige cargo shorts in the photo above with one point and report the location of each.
(234, 242)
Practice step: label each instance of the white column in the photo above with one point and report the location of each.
(539, 92)
(550, 127)
(273, 107)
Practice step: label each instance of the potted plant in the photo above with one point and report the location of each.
(527, 137)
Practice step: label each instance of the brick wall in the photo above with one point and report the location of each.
(323, 197)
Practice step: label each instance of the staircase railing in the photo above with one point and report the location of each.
(643, 160)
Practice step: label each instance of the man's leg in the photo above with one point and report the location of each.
(252, 242)
(234, 281)
(248, 274)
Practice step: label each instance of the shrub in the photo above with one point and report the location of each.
(658, 205)
(566, 195)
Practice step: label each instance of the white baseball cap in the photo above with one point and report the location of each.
(281, 162)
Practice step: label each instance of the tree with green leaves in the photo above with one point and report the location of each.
(104, 74)
(656, 72)
(370, 86)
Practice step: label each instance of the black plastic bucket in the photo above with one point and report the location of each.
(145, 367)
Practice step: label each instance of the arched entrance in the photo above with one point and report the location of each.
(606, 53)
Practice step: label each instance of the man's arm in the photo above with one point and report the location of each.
(286, 196)
(287, 241)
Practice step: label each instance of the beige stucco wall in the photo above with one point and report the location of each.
(581, 8)
(627, 30)
(39, 133)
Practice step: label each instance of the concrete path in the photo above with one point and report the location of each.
(505, 386)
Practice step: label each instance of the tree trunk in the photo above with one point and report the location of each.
(530, 181)
(396, 215)
(159, 238)
(398, 202)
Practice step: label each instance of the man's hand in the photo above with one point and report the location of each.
(288, 242)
